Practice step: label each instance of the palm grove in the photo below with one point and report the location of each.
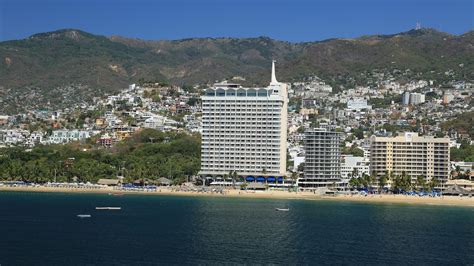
(149, 154)
(398, 183)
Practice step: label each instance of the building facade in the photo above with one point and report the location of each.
(351, 164)
(65, 136)
(358, 104)
(244, 130)
(322, 166)
(417, 98)
(412, 154)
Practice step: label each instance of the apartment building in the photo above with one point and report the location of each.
(244, 130)
(322, 159)
(415, 155)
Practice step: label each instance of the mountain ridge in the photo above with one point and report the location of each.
(100, 65)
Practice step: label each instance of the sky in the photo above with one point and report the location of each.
(289, 20)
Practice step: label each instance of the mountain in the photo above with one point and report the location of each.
(65, 67)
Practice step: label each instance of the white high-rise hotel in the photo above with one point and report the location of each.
(244, 130)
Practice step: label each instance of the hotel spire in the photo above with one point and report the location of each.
(274, 80)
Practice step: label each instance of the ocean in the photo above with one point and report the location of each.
(43, 229)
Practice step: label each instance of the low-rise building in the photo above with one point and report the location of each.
(351, 164)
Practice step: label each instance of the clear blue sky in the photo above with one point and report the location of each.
(291, 20)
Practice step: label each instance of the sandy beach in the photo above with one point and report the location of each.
(397, 199)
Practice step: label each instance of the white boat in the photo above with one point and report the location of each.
(108, 208)
(282, 209)
(84, 215)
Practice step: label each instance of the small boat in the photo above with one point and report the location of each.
(108, 208)
(282, 209)
(84, 215)
(117, 194)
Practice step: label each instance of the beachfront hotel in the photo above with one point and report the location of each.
(322, 166)
(244, 130)
(415, 155)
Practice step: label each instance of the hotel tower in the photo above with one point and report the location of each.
(244, 130)
(415, 155)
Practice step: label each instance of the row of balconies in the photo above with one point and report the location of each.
(233, 111)
(243, 155)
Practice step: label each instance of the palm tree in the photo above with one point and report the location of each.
(234, 176)
(420, 182)
(405, 182)
(396, 183)
(354, 182)
(433, 183)
(226, 176)
(294, 177)
(264, 173)
(370, 179)
(231, 175)
(383, 181)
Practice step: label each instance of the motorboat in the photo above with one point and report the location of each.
(84, 216)
(108, 208)
(282, 209)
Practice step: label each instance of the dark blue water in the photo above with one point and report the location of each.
(43, 229)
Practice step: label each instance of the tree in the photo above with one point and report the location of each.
(354, 182)
(233, 175)
(396, 183)
(420, 183)
(355, 172)
(301, 167)
(434, 182)
(354, 150)
(294, 177)
(366, 181)
(383, 180)
(405, 182)
(192, 101)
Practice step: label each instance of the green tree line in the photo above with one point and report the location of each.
(398, 183)
(149, 154)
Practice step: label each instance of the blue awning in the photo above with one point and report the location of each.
(271, 179)
(260, 179)
(250, 178)
(280, 178)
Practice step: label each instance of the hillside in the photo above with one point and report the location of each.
(66, 67)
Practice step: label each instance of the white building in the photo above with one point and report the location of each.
(358, 104)
(244, 130)
(406, 98)
(155, 122)
(417, 98)
(13, 136)
(65, 136)
(353, 164)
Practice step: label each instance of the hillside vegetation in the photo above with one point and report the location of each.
(66, 67)
(149, 154)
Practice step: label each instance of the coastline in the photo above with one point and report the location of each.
(397, 199)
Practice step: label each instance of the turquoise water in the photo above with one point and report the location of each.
(43, 229)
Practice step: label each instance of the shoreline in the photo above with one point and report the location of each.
(386, 198)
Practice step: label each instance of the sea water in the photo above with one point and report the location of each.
(44, 229)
